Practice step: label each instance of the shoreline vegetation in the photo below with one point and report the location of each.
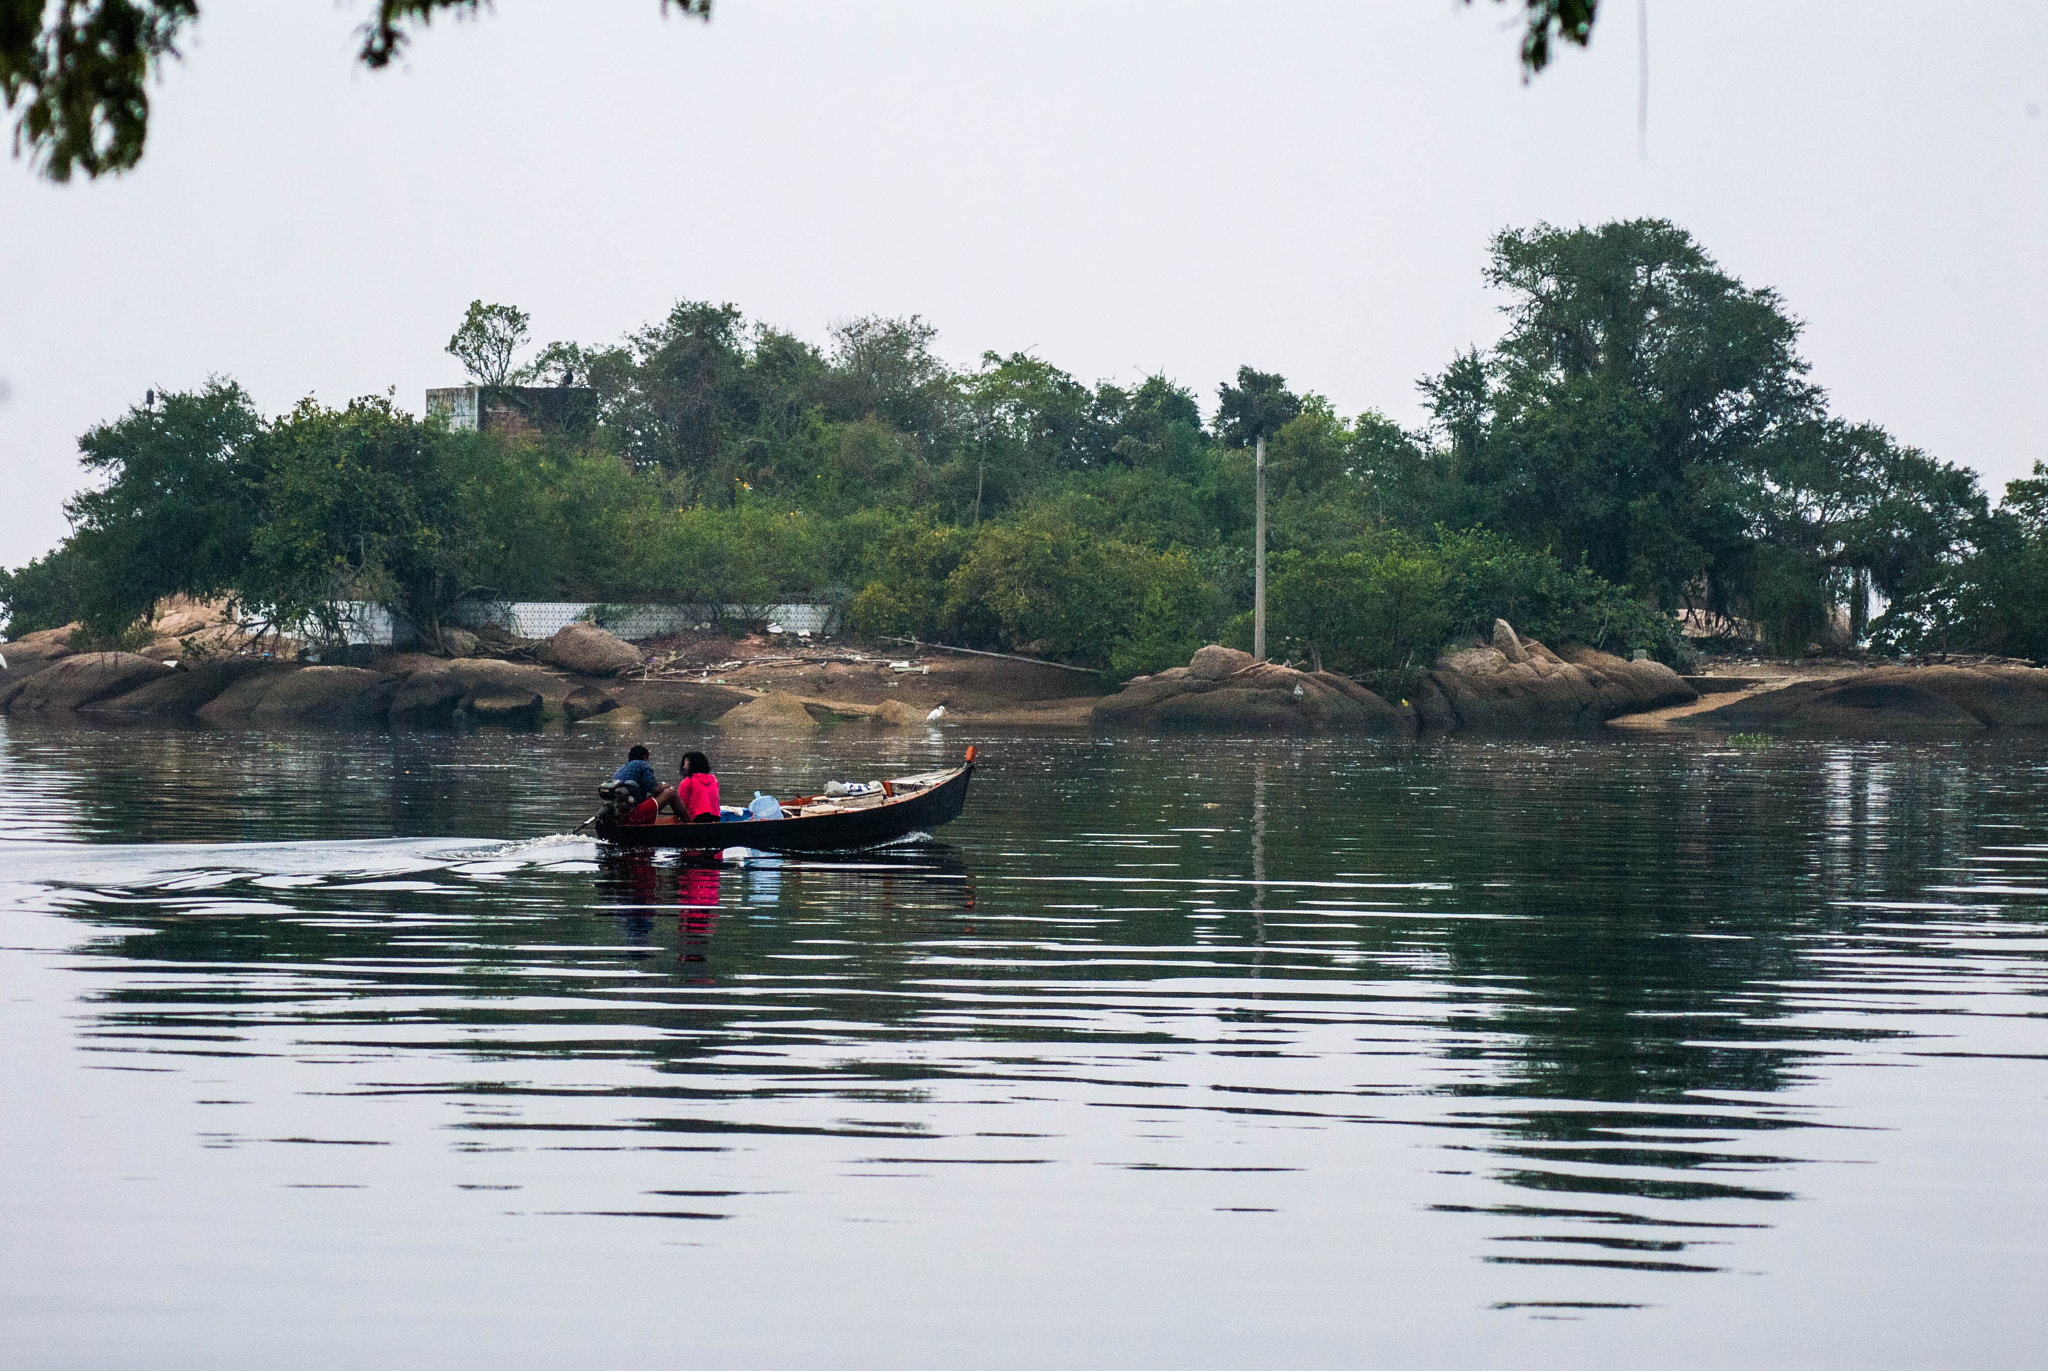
(1639, 479)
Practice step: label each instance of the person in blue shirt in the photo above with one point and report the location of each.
(639, 772)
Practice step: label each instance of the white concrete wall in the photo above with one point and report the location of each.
(542, 618)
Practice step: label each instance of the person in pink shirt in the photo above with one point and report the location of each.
(695, 798)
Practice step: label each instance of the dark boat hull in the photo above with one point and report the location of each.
(847, 831)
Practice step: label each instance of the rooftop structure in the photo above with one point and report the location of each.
(516, 412)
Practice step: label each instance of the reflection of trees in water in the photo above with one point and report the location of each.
(129, 782)
(1659, 912)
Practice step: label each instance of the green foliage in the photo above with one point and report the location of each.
(80, 73)
(1258, 406)
(1378, 611)
(749, 556)
(1642, 439)
(1989, 600)
(489, 337)
(362, 503)
(1649, 416)
(41, 595)
(1384, 610)
(903, 564)
(178, 507)
(1047, 586)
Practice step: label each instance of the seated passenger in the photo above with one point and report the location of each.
(638, 772)
(695, 798)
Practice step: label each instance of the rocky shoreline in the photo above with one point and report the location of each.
(586, 677)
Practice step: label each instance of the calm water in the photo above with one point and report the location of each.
(332, 1050)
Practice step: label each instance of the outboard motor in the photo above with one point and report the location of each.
(619, 799)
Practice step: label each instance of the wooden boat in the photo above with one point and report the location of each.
(816, 823)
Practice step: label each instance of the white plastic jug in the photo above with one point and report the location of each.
(765, 806)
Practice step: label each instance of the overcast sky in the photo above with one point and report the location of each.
(1119, 188)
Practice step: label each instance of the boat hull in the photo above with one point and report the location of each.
(847, 831)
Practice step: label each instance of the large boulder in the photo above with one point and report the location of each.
(23, 660)
(586, 701)
(503, 705)
(313, 694)
(897, 714)
(435, 690)
(184, 692)
(588, 650)
(427, 697)
(1215, 661)
(1897, 701)
(1228, 691)
(48, 637)
(326, 694)
(677, 701)
(776, 709)
(82, 678)
(238, 701)
(1518, 683)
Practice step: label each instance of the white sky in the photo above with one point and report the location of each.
(1180, 186)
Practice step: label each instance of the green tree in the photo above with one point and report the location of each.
(885, 369)
(361, 503)
(1636, 389)
(487, 341)
(1377, 611)
(1047, 585)
(1258, 406)
(177, 508)
(677, 393)
(1988, 596)
(41, 595)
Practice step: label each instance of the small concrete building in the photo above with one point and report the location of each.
(521, 413)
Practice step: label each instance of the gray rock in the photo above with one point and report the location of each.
(313, 694)
(1506, 642)
(776, 709)
(677, 701)
(74, 681)
(897, 714)
(458, 642)
(481, 674)
(182, 693)
(25, 659)
(588, 650)
(1898, 701)
(1483, 687)
(326, 694)
(428, 697)
(586, 702)
(503, 705)
(1253, 697)
(235, 704)
(47, 637)
(1215, 661)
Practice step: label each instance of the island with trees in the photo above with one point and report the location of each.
(1640, 468)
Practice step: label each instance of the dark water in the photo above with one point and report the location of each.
(331, 1050)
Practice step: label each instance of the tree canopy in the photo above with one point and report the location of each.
(1643, 443)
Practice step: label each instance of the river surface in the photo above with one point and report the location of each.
(339, 1050)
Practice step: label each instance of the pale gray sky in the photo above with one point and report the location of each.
(1118, 187)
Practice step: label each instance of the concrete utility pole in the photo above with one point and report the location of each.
(1259, 553)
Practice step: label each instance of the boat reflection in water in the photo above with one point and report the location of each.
(637, 886)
